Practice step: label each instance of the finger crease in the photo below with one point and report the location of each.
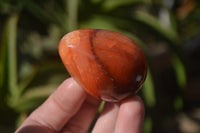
(62, 108)
(44, 124)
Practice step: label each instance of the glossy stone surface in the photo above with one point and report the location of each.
(106, 64)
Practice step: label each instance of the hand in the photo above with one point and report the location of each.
(71, 110)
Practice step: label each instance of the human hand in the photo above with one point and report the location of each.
(71, 110)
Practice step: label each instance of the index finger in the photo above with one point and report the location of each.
(58, 108)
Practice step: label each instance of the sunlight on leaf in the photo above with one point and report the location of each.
(72, 9)
(98, 22)
(101, 107)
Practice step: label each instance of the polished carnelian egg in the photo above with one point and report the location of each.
(106, 64)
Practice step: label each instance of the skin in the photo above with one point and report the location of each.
(71, 110)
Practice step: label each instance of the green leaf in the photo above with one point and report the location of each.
(25, 82)
(12, 55)
(21, 118)
(33, 98)
(178, 103)
(112, 4)
(98, 22)
(37, 11)
(149, 91)
(148, 124)
(3, 49)
(101, 107)
(180, 71)
(72, 9)
(9, 57)
(148, 19)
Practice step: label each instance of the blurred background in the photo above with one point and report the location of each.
(168, 31)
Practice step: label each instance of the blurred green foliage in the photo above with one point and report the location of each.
(30, 68)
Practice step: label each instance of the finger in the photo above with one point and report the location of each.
(107, 119)
(81, 122)
(131, 116)
(59, 107)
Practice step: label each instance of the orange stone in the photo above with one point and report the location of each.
(106, 64)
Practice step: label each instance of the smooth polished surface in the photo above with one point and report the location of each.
(106, 64)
